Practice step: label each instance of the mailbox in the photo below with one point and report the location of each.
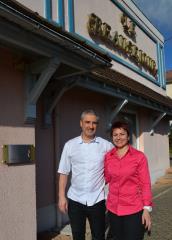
(18, 154)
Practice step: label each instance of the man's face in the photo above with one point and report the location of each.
(88, 125)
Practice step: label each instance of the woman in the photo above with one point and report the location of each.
(129, 199)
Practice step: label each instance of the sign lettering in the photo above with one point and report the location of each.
(102, 30)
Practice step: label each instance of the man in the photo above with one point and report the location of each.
(83, 156)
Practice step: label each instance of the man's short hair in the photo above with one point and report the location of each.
(89, 111)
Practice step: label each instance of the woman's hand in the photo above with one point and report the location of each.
(146, 219)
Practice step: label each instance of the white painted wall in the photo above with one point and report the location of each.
(36, 6)
(109, 13)
(169, 89)
(138, 78)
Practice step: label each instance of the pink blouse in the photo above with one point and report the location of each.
(129, 182)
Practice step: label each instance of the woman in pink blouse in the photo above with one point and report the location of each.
(129, 199)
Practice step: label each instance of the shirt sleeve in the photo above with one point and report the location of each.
(65, 161)
(110, 146)
(145, 182)
(106, 174)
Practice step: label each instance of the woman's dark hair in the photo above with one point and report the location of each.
(120, 124)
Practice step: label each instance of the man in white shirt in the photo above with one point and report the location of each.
(83, 156)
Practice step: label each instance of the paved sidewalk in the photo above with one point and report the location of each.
(161, 215)
(162, 210)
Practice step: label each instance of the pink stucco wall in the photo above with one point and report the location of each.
(50, 142)
(66, 116)
(45, 173)
(155, 146)
(72, 104)
(67, 119)
(17, 183)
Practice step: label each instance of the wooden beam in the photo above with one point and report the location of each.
(43, 80)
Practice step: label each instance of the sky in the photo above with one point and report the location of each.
(159, 12)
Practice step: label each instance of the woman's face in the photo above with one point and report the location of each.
(120, 137)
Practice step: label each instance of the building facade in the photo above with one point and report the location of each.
(169, 83)
(58, 58)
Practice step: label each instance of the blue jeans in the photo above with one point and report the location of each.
(96, 216)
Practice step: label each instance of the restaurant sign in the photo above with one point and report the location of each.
(102, 31)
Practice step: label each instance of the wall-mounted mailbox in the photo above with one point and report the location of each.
(18, 154)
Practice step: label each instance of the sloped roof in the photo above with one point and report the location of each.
(105, 74)
(27, 14)
(121, 81)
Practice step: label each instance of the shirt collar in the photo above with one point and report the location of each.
(94, 140)
(130, 150)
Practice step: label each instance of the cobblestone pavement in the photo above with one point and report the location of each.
(161, 215)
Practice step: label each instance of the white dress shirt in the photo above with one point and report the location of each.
(86, 163)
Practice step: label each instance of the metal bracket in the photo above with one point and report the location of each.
(34, 86)
(43, 80)
(118, 108)
(51, 100)
(156, 122)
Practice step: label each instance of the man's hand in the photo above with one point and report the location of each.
(146, 219)
(63, 204)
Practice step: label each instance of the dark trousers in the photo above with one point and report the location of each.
(78, 213)
(128, 227)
